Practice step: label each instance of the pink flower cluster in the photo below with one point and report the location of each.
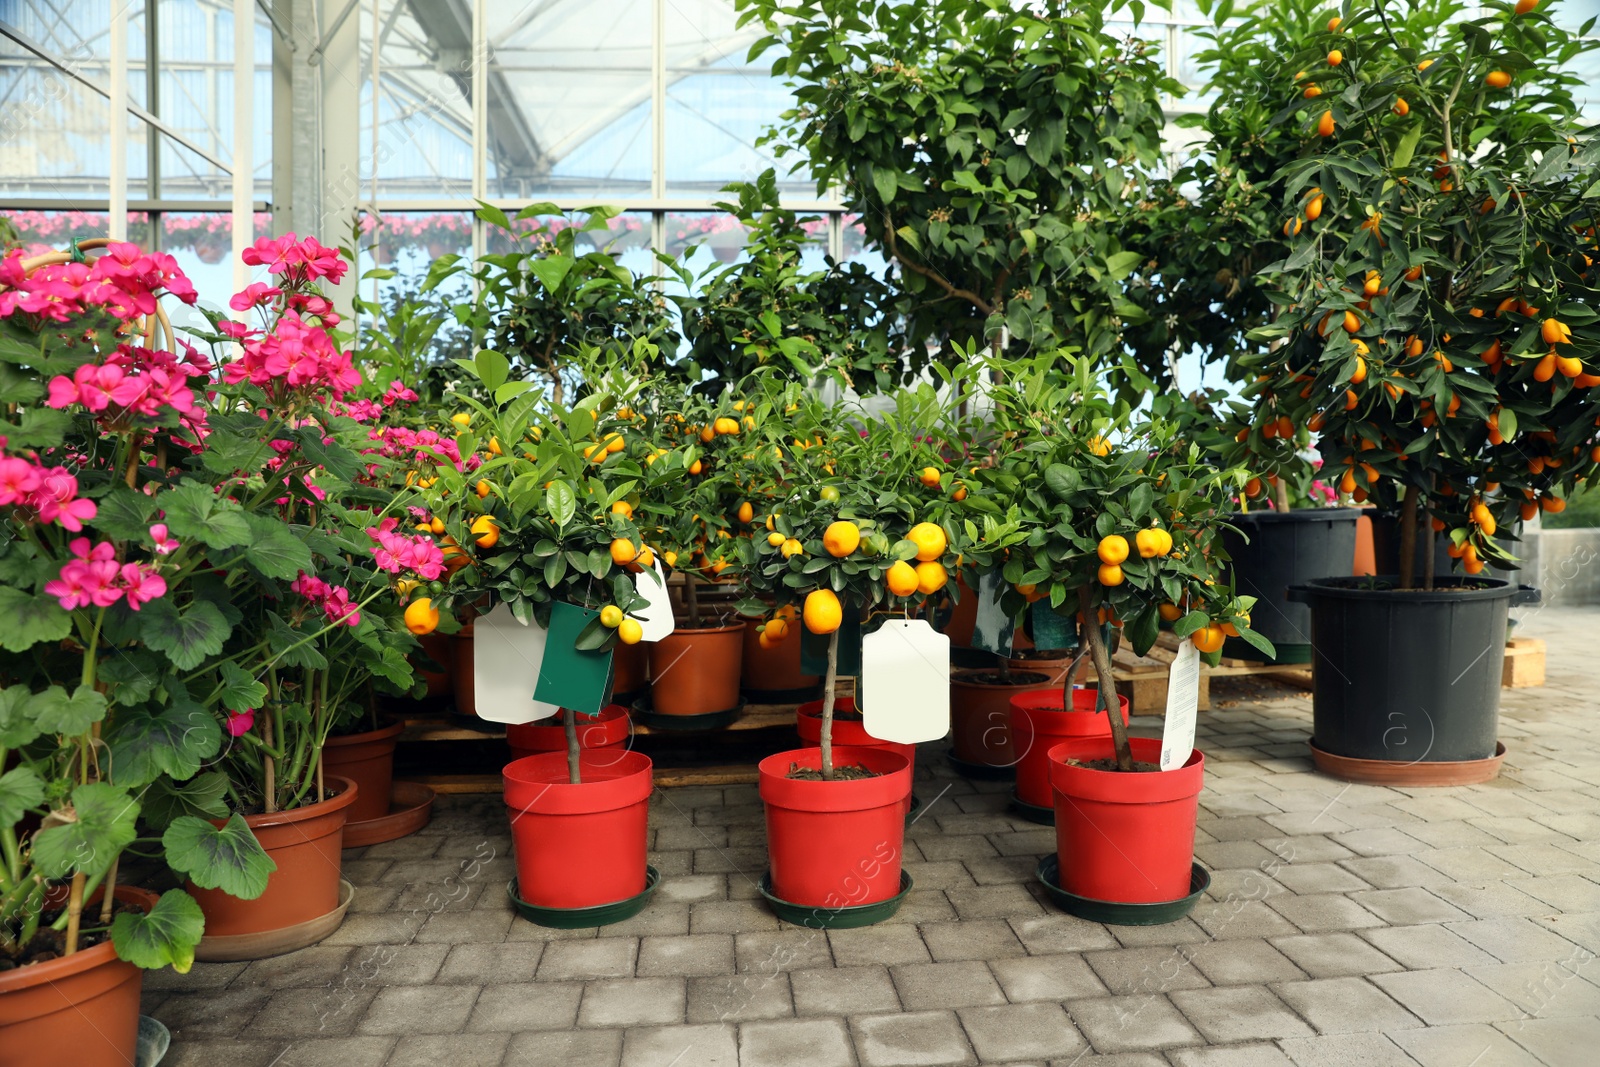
(372, 410)
(396, 552)
(124, 281)
(134, 381)
(50, 493)
(400, 442)
(93, 577)
(296, 353)
(334, 600)
(299, 259)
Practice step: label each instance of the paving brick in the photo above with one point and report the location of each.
(1155, 969)
(887, 945)
(336, 1052)
(1420, 947)
(1490, 899)
(1184, 931)
(1378, 842)
(1238, 918)
(1408, 907)
(1046, 978)
(730, 917)
(692, 954)
(519, 1006)
(946, 985)
(317, 965)
(910, 1039)
(843, 991)
(1334, 955)
(1064, 933)
(1318, 878)
(202, 1052)
(1452, 1046)
(1321, 912)
(480, 964)
(1346, 1050)
(994, 902)
(1345, 1005)
(420, 1010)
(291, 1013)
(693, 888)
(571, 1048)
(1395, 872)
(458, 1050)
(632, 1002)
(606, 957)
(1230, 1056)
(1128, 1024)
(1444, 996)
(1564, 892)
(1557, 1041)
(796, 1043)
(945, 874)
(735, 998)
(1241, 962)
(974, 939)
(708, 1045)
(783, 950)
(654, 921)
(1514, 940)
(1238, 1013)
(961, 847)
(1018, 1031)
(1548, 989)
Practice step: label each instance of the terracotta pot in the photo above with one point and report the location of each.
(461, 671)
(980, 714)
(81, 1009)
(441, 650)
(1126, 838)
(851, 732)
(367, 759)
(630, 665)
(963, 618)
(1051, 662)
(610, 729)
(836, 844)
(579, 846)
(305, 844)
(1038, 724)
(696, 672)
(773, 669)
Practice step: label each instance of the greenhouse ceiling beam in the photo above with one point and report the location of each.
(584, 203)
(26, 42)
(277, 26)
(316, 53)
(18, 203)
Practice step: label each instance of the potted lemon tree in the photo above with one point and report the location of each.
(1438, 327)
(1119, 528)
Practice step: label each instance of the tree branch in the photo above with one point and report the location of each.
(928, 272)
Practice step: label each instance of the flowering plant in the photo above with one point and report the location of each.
(192, 593)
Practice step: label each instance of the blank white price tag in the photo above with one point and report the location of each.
(1183, 702)
(905, 682)
(506, 655)
(656, 620)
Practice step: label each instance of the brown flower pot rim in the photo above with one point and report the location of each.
(382, 733)
(1416, 773)
(342, 799)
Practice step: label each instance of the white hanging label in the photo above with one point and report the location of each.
(1183, 702)
(506, 655)
(656, 620)
(905, 682)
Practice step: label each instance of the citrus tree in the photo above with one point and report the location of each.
(861, 523)
(1118, 519)
(1438, 322)
(991, 150)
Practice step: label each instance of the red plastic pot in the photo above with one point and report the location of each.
(1125, 838)
(579, 846)
(836, 844)
(610, 729)
(1038, 724)
(808, 721)
(305, 843)
(81, 1009)
(367, 759)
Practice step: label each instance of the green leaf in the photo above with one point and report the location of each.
(175, 739)
(187, 637)
(1258, 642)
(240, 689)
(195, 513)
(124, 515)
(275, 551)
(883, 181)
(226, 857)
(204, 795)
(1407, 148)
(1120, 265)
(17, 725)
(104, 820)
(1062, 480)
(551, 270)
(493, 368)
(40, 428)
(167, 934)
(1144, 629)
(20, 790)
(561, 502)
(30, 620)
(55, 712)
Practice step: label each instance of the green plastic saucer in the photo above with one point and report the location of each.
(582, 918)
(916, 806)
(820, 918)
(988, 772)
(1105, 911)
(1032, 812)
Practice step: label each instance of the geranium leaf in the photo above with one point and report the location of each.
(58, 712)
(167, 933)
(30, 620)
(189, 636)
(20, 789)
(205, 795)
(274, 551)
(175, 740)
(226, 857)
(102, 823)
(195, 513)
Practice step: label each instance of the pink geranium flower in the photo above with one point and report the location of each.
(240, 722)
(165, 545)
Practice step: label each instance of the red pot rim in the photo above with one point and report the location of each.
(812, 709)
(891, 786)
(612, 780)
(612, 723)
(337, 802)
(1114, 787)
(962, 679)
(683, 629)
(1050, 700)
(381, 734)
(64, 967)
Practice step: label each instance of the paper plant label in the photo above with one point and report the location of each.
(905, 682)
(1183, 702)
(993, 630)
(656, 620)
(571, 677)
(506, 657)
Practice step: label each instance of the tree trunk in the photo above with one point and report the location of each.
(1280, 495)
(1408, 540)
(1106, 679)
(571, 725)
(827, 706)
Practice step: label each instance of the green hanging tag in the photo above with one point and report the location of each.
(1051, 629)
(993, 630)
(569, 677)
(814, 647)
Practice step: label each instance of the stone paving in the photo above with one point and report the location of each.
(1345, 925)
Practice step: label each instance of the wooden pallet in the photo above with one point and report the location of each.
(1143, 679)
(1524, 663)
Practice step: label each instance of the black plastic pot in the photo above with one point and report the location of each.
(1408, 676)
(1273, 550)
(1386, 547)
